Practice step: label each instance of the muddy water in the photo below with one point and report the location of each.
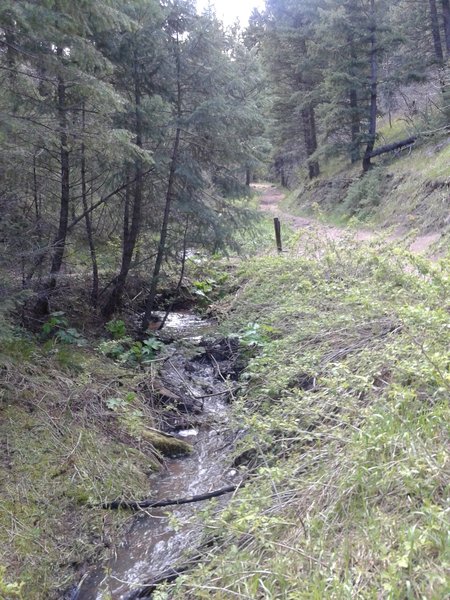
(160, 538)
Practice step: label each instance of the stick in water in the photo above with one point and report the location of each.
(138, 505)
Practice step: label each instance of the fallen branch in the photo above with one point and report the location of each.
(389, 147)
(138, 505)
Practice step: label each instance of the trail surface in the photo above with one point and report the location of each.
(271, 196)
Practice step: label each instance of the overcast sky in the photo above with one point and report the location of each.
(230, 10)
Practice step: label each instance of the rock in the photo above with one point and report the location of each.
(168, 446)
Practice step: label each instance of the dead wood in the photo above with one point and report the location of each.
(389, 147)
(149, 503)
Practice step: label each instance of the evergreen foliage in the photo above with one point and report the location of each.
(110, 109)
(336, 66)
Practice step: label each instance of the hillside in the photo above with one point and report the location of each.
(406, 195)
(345, 421)
(341, 420)
(187, 409)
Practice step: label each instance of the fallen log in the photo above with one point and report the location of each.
(389, 147)
(149, 503)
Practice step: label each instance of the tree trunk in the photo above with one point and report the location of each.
(310, 138)
(355, 126)
(180, 279)
(37, 263)
(395, 146)
(354, 109)
(283, 178)
(89, 234)
(41, 306)
(435, 32)
(373, 92)
(309, 123)
(131, 230)
(10, 52)
(314, 170)
(150, 300)
(59, 243)
(446, 16)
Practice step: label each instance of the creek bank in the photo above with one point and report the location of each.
(193, 390)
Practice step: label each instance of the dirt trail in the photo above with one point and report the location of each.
(271, 197)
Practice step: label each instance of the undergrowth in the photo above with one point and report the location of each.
(345, 413)
(76, 429)
(408, 191)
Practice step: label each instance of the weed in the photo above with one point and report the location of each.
(131, 353)
(57, 327)
(9, 590)
(116, 328)
(345, 407)
(364, 195)
(255, 335)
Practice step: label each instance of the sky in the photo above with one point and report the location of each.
(230, 10)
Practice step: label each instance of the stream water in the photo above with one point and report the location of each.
(160, 538)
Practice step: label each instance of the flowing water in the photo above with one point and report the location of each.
(160, 538)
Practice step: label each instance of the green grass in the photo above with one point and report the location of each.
(61, 449)
(346, 410)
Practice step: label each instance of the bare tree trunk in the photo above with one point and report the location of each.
(37, 213)
(10, 57)
(89, 234)
(373, 92)
(435, 32)
(310, 138)
(314, 170)
(309, 123)
(60, 240)
(150, 300)
(180, 280)
(42, 304)
(354, 110)
(283, 178)
(131, 229)
(355, 126)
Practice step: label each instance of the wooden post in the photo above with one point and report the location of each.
(277, 226)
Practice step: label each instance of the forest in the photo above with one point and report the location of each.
(129, 129)
(145, 147)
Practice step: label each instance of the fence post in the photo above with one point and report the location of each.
(277, 226)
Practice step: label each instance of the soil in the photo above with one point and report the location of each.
(271, 196)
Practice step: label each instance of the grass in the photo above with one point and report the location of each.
(346, 411)
(62, 448)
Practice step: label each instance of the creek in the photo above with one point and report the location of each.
(160, 538)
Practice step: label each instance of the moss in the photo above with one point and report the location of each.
(59, 452)
(167, 445)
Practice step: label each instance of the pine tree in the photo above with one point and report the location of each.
(213, 117)
(294, 77)
(56, 67)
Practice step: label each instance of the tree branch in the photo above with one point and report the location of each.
(103, 200)
(138, 505)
